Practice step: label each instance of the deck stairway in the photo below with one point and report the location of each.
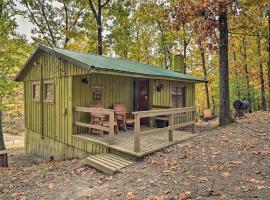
(108, 163)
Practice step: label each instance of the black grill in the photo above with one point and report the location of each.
(240, 107)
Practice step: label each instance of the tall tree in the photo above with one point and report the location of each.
(246, 71)
(97, 8)
(261, 74)
(202, 53)
(224, 95)
(13, 51)
(215, 15)
(6, 27)
(236, 72)
(268, 15)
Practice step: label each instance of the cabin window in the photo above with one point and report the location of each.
(36, 91)
(178, 96)
(49, 91)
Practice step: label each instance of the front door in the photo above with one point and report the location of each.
(141, 97)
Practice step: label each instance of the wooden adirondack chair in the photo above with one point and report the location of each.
(97, 118)
(101, 120)
(122, 117)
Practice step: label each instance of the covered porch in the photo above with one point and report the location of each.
(141, 139)
(157, 108)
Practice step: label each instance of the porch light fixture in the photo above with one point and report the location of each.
(160, 87)
(85, 81)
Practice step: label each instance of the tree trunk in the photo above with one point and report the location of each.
(185, 55)
(224, 95)
(214, 105)
(3, 158)
(205, 76)
(100, 49)
(164, 47)
(99, 24)
(98, 17)
(261, 75)
(185, 49)
(247, 73)
(236, 75)
(2, 143)
(269, 59)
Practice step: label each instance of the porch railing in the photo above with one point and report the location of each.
(155, 113)
(108, 112)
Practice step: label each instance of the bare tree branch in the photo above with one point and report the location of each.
(106, 2)
(66, 23)
(93, 9)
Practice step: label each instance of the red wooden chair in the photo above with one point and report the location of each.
(121, 115)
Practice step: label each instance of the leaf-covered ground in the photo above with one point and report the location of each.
(232, 162)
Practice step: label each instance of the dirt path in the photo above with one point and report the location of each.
(223, 163)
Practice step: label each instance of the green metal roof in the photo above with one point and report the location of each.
(89, 61)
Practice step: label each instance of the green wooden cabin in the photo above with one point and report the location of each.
(58, 80)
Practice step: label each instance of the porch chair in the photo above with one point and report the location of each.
(101, 120)
(122, 116)
(97, 118)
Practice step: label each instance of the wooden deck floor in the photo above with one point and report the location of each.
(124, 141)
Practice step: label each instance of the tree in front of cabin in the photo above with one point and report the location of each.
(97, 9)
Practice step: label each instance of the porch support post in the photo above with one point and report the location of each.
(171, 130)
(74, 119)
(193, 119)
(137, 133)
(111, 127)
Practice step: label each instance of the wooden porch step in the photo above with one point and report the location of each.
(108, 163)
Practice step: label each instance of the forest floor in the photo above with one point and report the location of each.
(231, 162)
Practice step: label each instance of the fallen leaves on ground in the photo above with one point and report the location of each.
(185, 195)
(51, 186)
(225, 174)
(229, 162)
(130, 196)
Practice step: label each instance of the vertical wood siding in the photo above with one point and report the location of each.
(164, 96)
(116, 89)
(57, 116)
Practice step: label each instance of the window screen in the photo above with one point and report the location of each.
(49, 91)
(36, 91)
(178, 96)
